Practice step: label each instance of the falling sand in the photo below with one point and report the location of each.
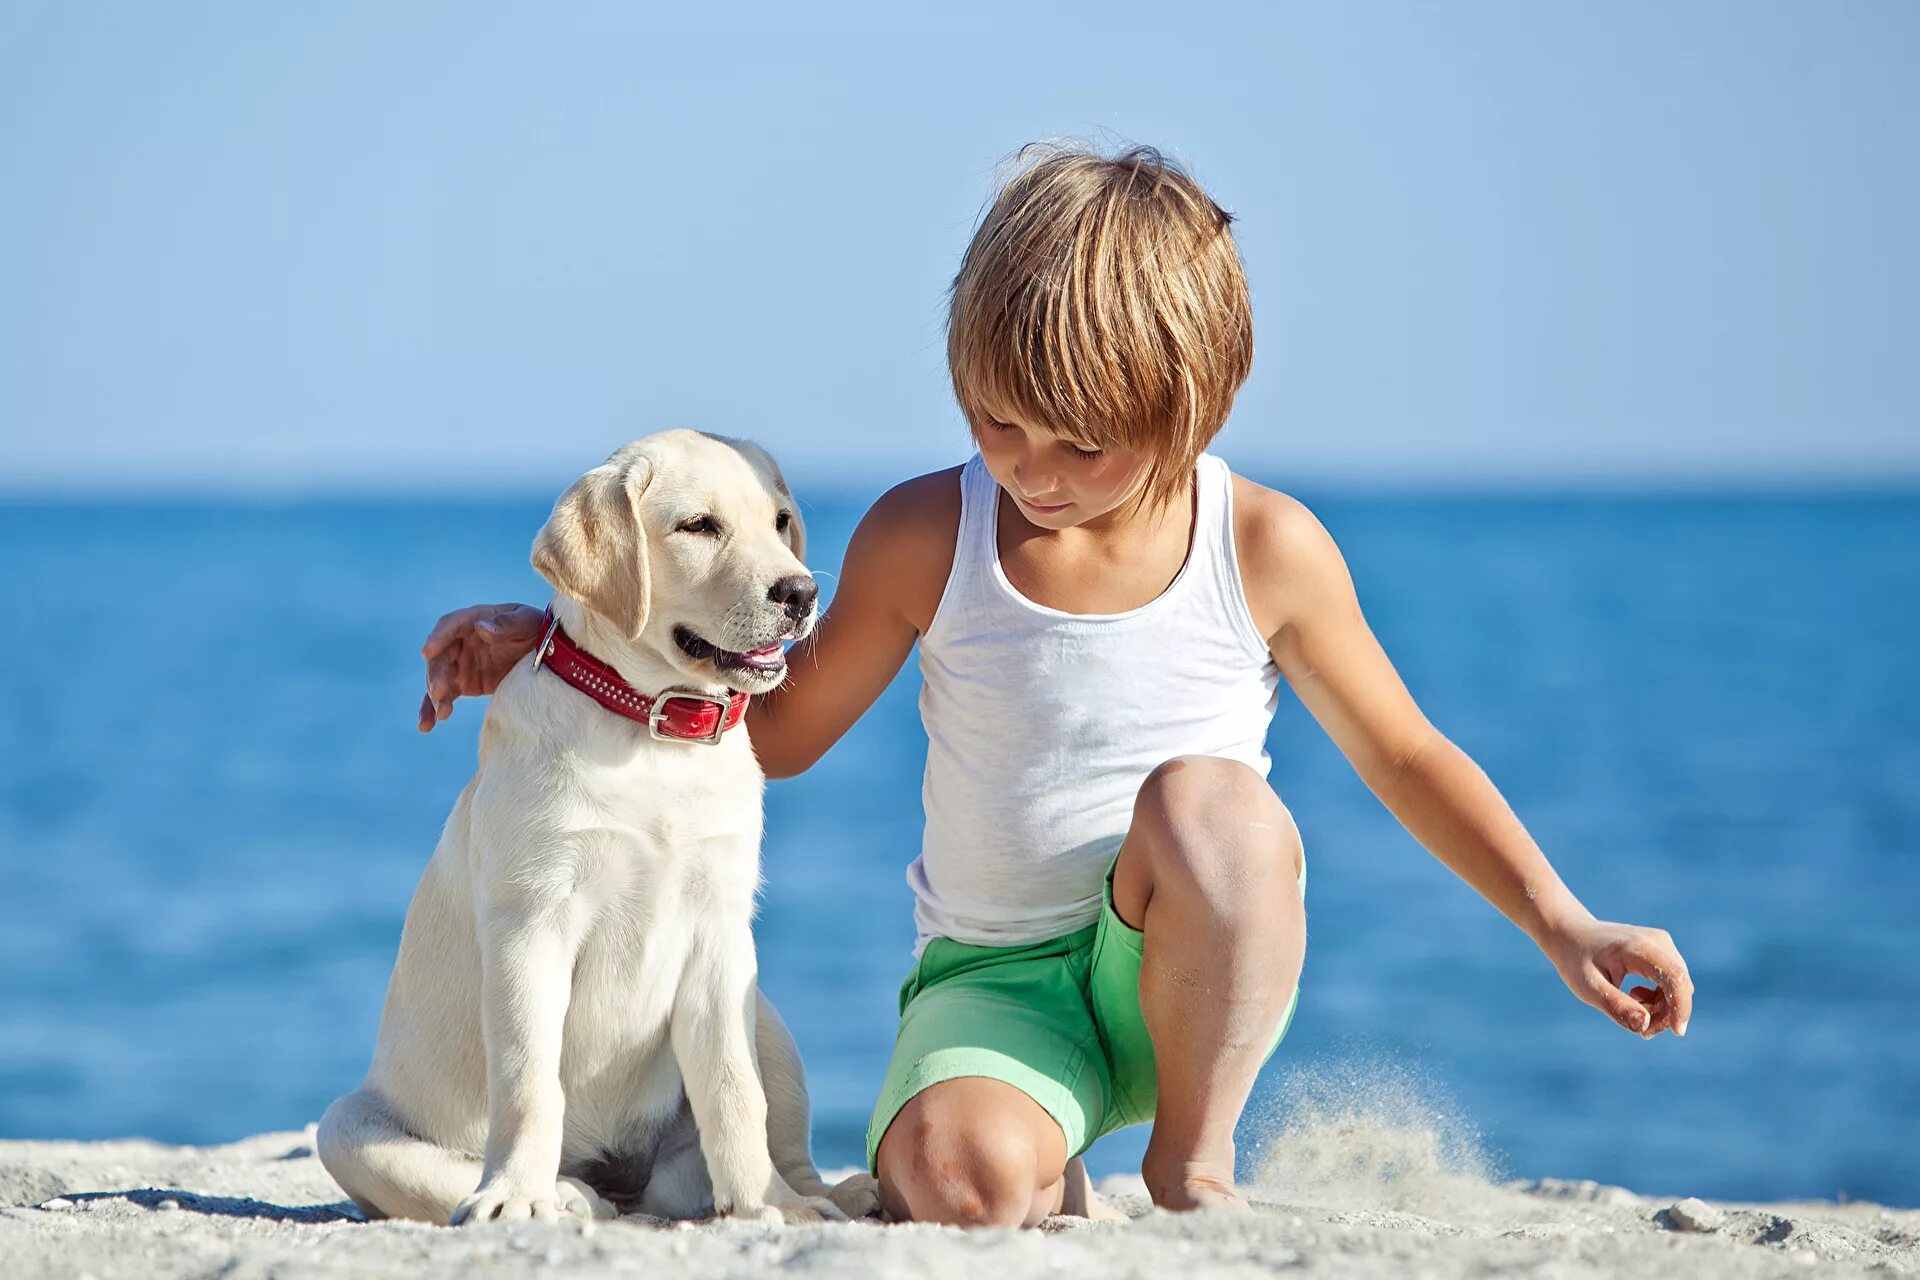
(1367, 1135)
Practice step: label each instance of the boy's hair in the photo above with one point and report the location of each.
(1103, 300)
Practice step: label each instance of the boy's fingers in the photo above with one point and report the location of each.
(454, 625)
(1657, 1007)
(1617, 1004)
(440, 670)
(509, 621)
(457, 677)
(432, 713)
(457, 669)
(444, 676)
(1679, 989)
(443, 633)
(1657, 960)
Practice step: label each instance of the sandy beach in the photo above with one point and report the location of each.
(1355, 1202)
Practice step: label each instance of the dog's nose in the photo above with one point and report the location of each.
(796, 593)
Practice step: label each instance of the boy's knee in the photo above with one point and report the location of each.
(1196, 792)
(1206, 818)
(943, 1164)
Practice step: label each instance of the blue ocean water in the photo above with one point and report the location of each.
(214, 805)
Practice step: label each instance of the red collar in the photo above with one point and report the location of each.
(680, 714)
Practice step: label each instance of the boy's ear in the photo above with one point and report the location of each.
(593, 547)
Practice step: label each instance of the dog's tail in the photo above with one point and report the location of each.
(789, 1116)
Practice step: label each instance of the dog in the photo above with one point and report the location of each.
(574, 1026)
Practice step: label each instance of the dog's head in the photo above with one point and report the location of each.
(689, 545)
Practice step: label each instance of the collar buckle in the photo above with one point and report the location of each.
(656, 719)
(544, 649)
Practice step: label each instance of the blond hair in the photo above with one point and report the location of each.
(1104, 300)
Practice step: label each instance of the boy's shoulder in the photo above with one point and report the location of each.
(1273, 526)
(906, 542)
(1288, 560)
(923, 499)
(923, 513)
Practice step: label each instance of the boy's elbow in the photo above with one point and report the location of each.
(772, 764)
(1411, 753)
(785, 764)
(1404, 762)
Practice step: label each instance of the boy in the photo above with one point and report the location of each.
(1109, 896)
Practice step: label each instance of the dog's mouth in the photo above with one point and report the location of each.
(767, 660)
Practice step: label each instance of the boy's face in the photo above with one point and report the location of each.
(1057, 483)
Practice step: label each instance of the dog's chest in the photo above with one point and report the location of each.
(651, 909)
(652, 858)
(671, 845)
(686, 786)
(672, 853)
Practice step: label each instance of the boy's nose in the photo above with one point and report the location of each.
(1027, 480)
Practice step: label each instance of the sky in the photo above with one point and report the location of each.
(451, 248)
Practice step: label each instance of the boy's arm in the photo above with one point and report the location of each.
(470, 651)
(1303, 599)
(894, 574)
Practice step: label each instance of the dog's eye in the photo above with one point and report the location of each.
(782, 521)
(699, 524)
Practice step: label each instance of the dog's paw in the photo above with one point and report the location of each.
(810, 1209)
(506, 1200)
(797, 1211)
(582, 1201)
(857, 1197)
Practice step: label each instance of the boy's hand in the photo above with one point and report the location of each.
(1595, 956)
(470, 651)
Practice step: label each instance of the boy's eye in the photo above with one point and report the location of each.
(996, 425)
(1089, 454)
(699, 524)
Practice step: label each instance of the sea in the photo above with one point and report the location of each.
(215, 803)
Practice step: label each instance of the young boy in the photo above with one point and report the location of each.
(1109, 896)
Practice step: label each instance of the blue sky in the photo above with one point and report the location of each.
(350, 246)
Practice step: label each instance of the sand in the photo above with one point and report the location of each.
(1351, 1197)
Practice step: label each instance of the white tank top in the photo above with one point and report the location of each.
(1041, 725)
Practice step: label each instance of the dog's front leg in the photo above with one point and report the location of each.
(526, 958)
(713, 1039)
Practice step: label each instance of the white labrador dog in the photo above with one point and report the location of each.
(574, 1025)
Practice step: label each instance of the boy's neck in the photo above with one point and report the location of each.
(1126, 524)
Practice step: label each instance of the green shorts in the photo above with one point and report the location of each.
(1058, 1020)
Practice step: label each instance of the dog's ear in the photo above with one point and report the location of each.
(796, 534)
(594, 548)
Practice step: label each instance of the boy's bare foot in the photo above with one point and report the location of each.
(1081, 1201)
(1192, 1187)
(1200, 1194)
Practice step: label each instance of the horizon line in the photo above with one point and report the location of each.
(1897, 483)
